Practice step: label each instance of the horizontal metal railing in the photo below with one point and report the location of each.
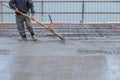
(72, 11)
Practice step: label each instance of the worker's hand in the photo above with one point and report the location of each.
(32, 17)
(0, 2)
(16, 10)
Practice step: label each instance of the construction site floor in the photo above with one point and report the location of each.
(51, 59)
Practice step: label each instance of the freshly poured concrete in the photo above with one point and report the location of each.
(50, 59)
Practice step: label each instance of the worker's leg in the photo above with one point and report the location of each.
(29, 27)
(20, 26)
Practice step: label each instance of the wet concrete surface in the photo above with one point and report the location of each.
(49, 59)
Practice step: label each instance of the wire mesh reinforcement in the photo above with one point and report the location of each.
(68, 30)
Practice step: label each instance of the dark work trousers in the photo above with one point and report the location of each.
(22, 22)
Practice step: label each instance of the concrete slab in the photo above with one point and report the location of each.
(49, 59)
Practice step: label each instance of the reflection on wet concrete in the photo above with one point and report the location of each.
(75, 60)
(114, 66)
(5, 73)
(57, 68)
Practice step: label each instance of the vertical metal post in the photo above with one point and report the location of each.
(42, 10)
(82, 12)
(1, 14)
(119, 10)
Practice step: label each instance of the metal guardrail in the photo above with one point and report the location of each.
(70, 11)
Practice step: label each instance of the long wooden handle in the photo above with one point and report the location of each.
(40, 23)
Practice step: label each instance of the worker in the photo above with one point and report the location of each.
(26, 7)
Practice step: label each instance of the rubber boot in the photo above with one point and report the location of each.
(24, 37)
(33, 38)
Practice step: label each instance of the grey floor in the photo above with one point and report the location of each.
(91, 59)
